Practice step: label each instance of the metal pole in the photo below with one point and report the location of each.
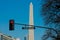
(24, 38)
(37, 27)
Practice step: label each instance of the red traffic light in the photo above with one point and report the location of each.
(11, 25)
(12, 21)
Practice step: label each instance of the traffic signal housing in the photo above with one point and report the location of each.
(11, 25)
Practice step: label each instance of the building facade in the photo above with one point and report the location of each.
(5, 37)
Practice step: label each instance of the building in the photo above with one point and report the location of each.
(5, 37)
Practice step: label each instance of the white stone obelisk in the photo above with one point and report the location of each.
(31, 22)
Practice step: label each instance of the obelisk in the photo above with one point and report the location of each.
(31, 22)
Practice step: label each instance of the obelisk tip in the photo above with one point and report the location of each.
(31, 3)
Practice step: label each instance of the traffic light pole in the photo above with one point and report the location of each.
(35, 27)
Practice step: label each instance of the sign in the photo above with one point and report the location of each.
(28, 27)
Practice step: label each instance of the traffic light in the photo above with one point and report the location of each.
(11, 25)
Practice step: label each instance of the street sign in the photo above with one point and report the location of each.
(28, 27)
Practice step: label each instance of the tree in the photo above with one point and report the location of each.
(51, 15)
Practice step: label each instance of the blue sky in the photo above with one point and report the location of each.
(19, 11)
